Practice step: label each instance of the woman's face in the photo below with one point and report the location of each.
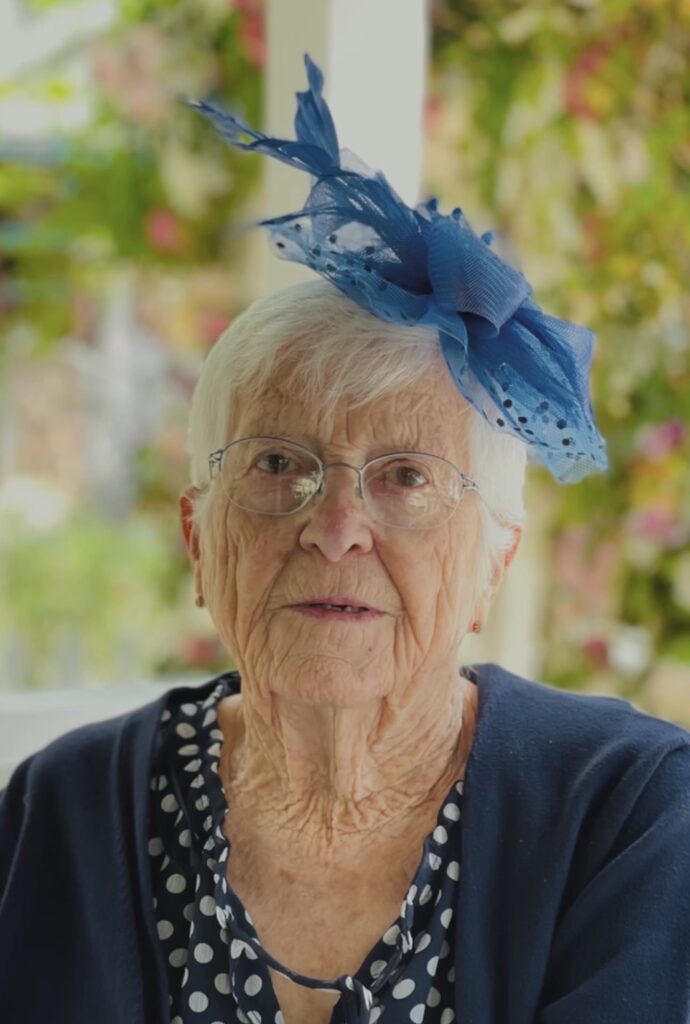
(253, 570)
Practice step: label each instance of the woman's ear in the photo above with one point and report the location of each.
(190, 530)
(507, 557)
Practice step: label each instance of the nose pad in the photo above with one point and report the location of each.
(342, 465)
(321, 492)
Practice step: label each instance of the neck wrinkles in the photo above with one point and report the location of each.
(331, 775)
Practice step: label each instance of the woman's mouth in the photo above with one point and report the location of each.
(341, 612)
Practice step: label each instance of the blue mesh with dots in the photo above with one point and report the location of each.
(525, 371)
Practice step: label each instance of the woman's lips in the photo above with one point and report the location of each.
(319, 611)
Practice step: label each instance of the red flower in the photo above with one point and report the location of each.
(164, 231)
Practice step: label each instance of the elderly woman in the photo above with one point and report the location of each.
(350, 827)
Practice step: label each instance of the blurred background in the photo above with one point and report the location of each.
(123, 255)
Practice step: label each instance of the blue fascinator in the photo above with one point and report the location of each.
(525, 371)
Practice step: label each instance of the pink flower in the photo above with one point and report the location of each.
(657, 523)
(658, 439)
(131, 73)
(596, 650)
(165, 232)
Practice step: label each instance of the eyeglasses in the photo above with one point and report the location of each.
(276, 477)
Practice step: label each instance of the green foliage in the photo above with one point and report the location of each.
(87, 595)
(576, 145)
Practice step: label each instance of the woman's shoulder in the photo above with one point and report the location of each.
(123, 744)
(538, 707)
(545, 737)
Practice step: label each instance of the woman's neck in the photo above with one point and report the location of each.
(334, 775)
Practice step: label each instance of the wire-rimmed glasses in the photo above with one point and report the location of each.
(277, 477)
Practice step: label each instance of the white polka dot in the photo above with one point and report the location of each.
(176, 883)
(216, 734)
(377, 967)
(434, 997)
(198, 1002)
(203, 953)
(165, 929)
(169, 803)
(447, 916)
(432, 966)
(439, 894)
(188, 750)
(403, 989)
(185, 837)
(440, 834)
(178, 957)
(165, 717)
(188, 912)
(423, 941)
(202, 803)
(279, 1019)
(349, 983)
(165, 862)
(445, 950)
(242, 1017)
(222, 983)
(425, 895)
(210, 716)
(193, 766)
(434, 861)
(185, 977)
(197, 782)
(176, 1020)
(214, 749)
(188, 709)
(162, 783)
(375, 1014)
(452, 812)
(253, 985)
(254, 1017)
(237, 947)
(417, 1013)
(391, 936)
(451, 974)
(155, 847)
(185, 730)
(459, 786)
(447, 1016)
(453, 870)
(207, 906)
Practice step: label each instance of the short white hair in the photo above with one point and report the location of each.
(344, 353)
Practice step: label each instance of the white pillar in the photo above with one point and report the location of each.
(373, 54)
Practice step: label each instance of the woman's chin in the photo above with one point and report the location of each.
(329, 680)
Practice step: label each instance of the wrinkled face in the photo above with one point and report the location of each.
(255, 569)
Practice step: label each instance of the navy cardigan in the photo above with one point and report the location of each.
(574, 902)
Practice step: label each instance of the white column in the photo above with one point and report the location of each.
(373, 54)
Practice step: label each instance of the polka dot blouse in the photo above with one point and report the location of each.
(217, 968)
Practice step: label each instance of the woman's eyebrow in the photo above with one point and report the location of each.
(316, 443)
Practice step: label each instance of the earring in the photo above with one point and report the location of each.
(476, 626)
(199, 600)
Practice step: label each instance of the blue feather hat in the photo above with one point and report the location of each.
(526, 372)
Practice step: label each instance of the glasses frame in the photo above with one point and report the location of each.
(215, 462)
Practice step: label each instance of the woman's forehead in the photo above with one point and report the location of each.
(425, 415)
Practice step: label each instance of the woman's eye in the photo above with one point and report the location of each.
(407, 476)
(274, 462)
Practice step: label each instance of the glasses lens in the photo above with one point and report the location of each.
(273, 477)
(412, 490)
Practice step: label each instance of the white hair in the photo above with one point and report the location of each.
(345, 352)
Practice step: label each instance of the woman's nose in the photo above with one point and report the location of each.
(337, 518)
